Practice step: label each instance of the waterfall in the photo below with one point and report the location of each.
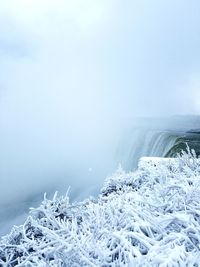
(163, 137)
(145, 142)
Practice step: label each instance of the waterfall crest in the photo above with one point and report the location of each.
(158, 138)
(146, 143)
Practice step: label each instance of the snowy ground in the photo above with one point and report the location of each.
(150, 217)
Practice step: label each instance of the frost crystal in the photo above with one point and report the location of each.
(150, 217)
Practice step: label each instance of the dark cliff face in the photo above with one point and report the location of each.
(190, 138)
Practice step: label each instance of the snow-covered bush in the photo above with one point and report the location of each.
(150, 217)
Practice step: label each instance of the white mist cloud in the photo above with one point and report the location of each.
(56, 120)
(71, 71)
(192, 87)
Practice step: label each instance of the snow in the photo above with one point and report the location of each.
(146, 161)
(150, 217)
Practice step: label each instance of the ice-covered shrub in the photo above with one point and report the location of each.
(150, 217)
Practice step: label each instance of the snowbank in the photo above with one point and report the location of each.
(150, 217)
(144, 162)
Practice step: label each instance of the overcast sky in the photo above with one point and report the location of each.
(116, 57)
(70, 70)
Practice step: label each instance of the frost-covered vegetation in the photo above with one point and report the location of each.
(150, 217)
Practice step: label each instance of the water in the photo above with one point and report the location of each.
(146, 143)
(161, 137)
